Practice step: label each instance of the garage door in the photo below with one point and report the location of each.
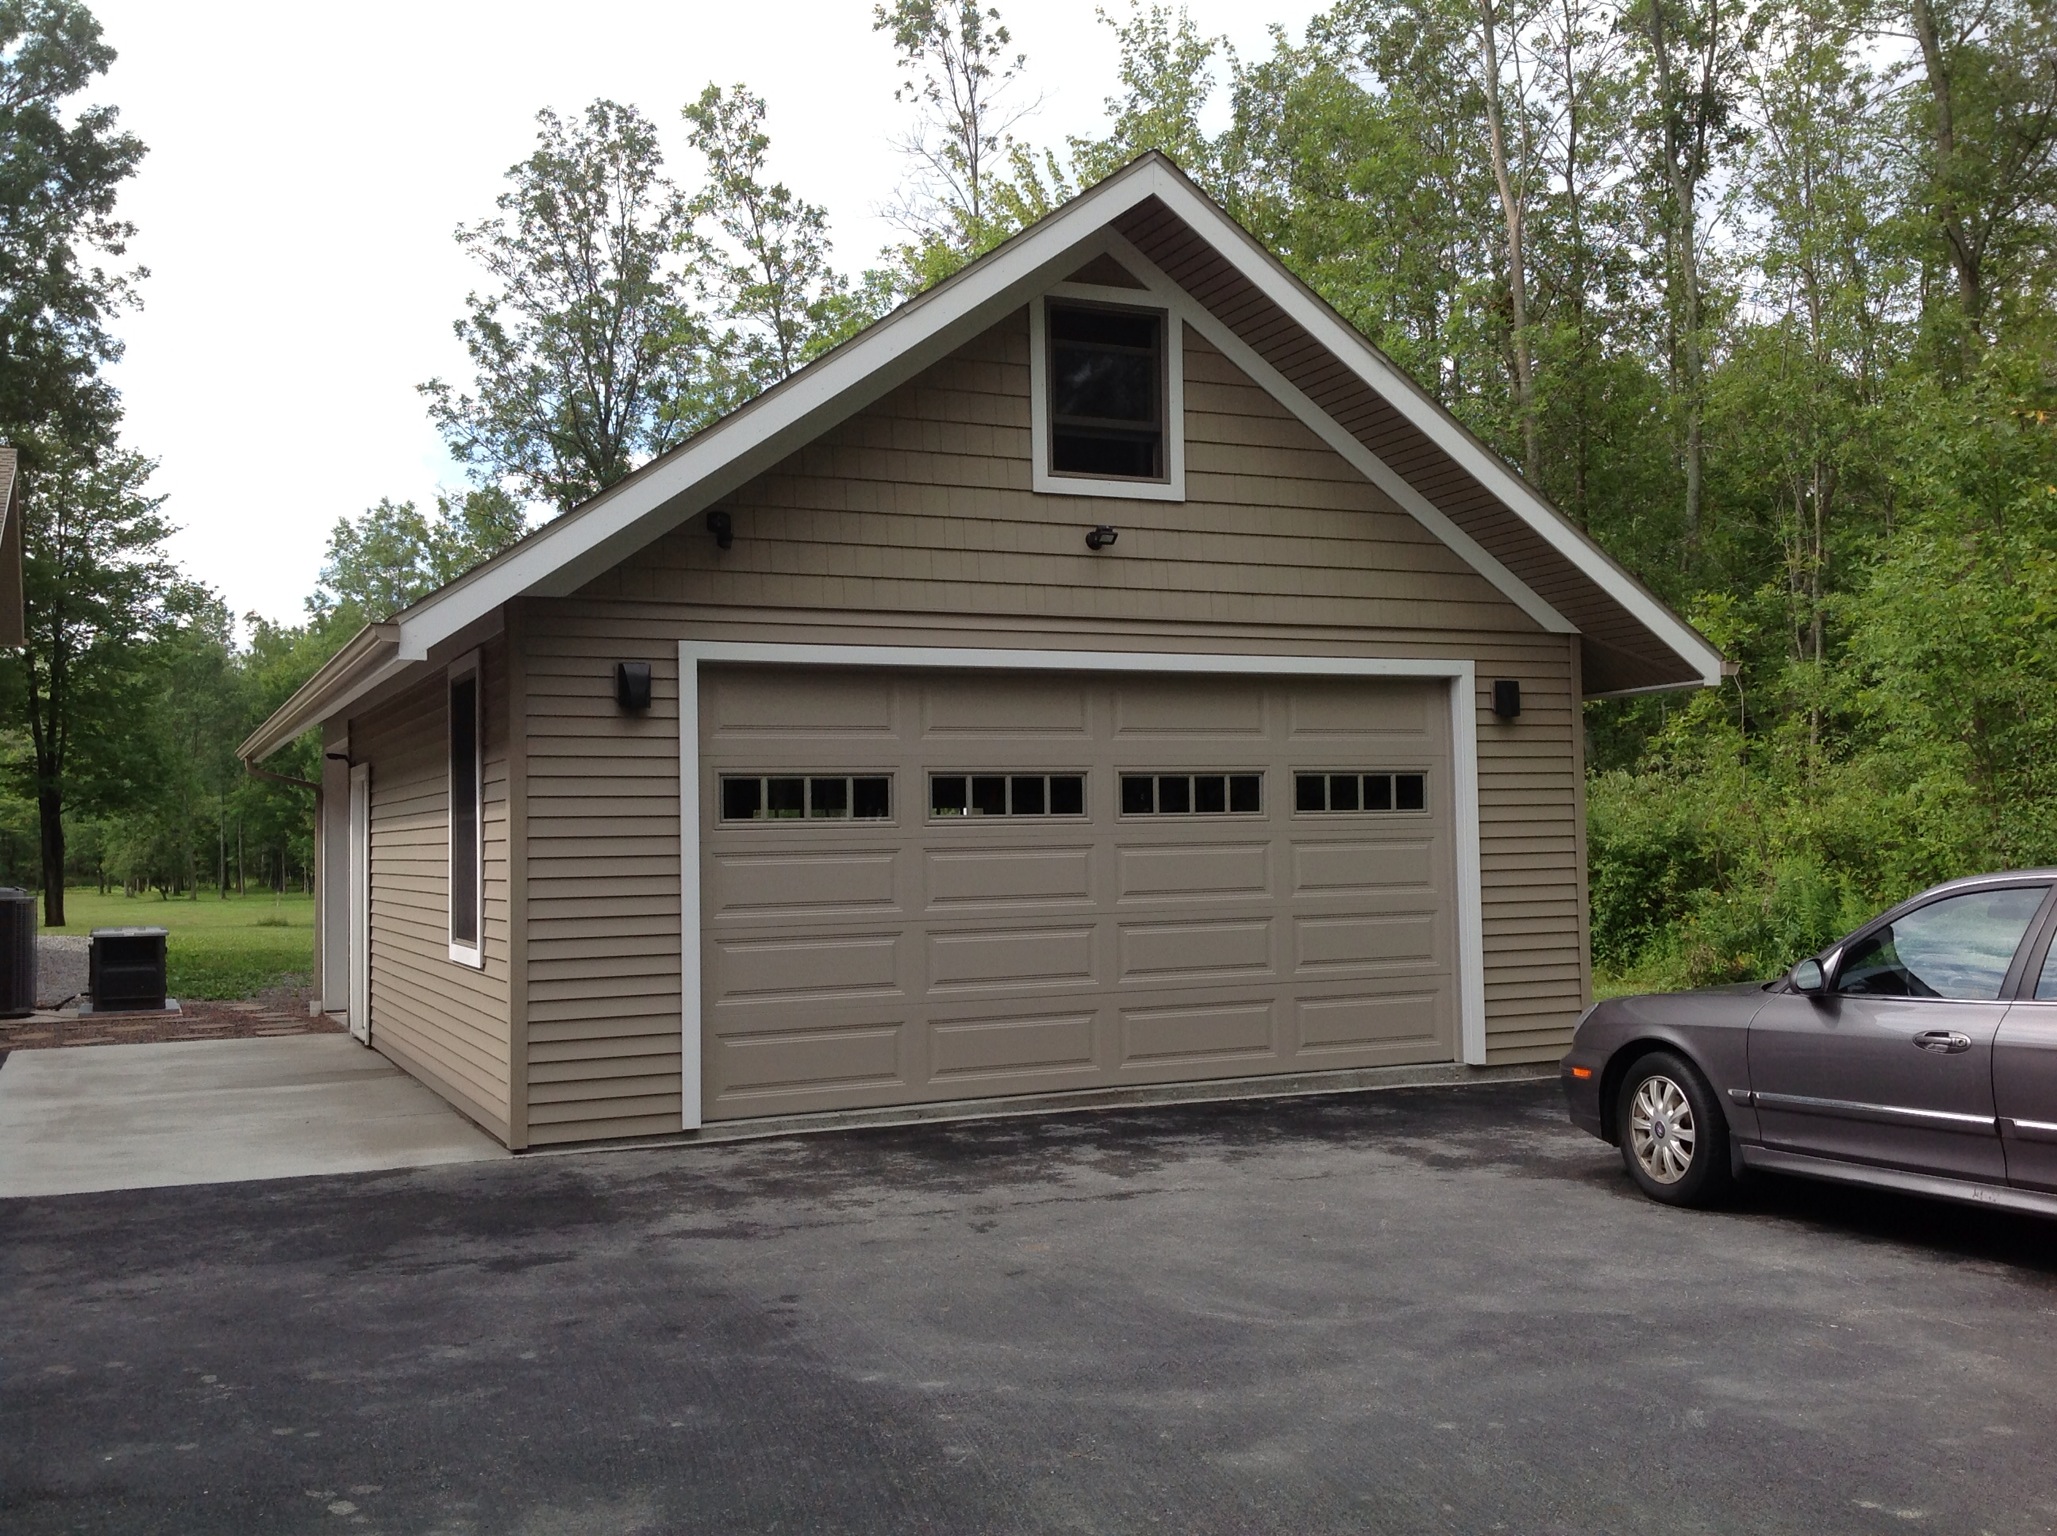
(925, 886)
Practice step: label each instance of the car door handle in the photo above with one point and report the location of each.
(1944, 1042)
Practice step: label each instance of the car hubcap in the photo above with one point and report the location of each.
(1660, 1129)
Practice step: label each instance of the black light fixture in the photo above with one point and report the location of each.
(723, 527)
(1506, 698)
(632, 684)
(1101, 537)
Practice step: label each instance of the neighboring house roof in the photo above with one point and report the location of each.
(1165, 230)
(13, 617)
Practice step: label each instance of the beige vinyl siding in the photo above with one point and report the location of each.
(443, 1021)
(913, 524)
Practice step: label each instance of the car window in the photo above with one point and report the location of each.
(1959, 947)
(2046, 986)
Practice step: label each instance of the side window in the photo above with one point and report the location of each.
(1957, 948)
(2046, 984)
(466, 873)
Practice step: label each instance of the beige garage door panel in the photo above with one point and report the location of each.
(863, 963)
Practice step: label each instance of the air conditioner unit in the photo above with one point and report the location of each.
(17, 952)
(127, 970)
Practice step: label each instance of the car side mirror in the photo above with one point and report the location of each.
(1809, 978)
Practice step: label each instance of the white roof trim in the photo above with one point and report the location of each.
(564, 555)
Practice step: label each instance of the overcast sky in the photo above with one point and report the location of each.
(307, 167)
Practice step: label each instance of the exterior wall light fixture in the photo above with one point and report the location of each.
(723, 527)
(1506, 698)
(632, 684)
(1101, 537)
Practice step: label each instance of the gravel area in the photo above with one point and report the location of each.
(60, 967)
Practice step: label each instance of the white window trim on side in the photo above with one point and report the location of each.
(472, 955)
(1461, 675)
(1173, 486)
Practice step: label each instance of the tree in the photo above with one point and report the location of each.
(1985, 109)
(1691, 47)
(61, 166)
(589, 354)
(97, 584)
(767, 263)
(958, 76)
(393, 556)
(1167, 79)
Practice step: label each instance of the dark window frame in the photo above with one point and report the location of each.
(1053, 423)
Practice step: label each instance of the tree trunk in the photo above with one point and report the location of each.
(50, 813)
(1682, 181)
(1513, 212)
(1964, 257)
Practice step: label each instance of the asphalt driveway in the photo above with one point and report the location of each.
(1423, 1310)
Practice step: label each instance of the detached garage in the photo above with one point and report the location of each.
(1105, 671)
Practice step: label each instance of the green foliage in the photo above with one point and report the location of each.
(61, 165)
(959, 78)
(588, 354)
(765, 264)
(393, 556)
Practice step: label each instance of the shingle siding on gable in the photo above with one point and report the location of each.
(913, 523)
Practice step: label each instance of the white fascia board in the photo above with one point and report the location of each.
(582, 544)
(1330, 431)
(1396, 388)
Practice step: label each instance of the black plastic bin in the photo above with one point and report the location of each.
(17, 952)
(127, 970)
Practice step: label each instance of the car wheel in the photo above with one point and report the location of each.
(1673, 1137)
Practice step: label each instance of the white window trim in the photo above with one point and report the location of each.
(473, 955)
(1173, 486)
(1461, 675)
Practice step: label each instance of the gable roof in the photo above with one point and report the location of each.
(1169, 233)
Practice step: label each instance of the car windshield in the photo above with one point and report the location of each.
(1959, 948)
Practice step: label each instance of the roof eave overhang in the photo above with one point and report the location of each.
(368, 661)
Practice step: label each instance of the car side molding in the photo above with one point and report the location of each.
(2028, 1130)
(1992, 1196)
(1853, 1109)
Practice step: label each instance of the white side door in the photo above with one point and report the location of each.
(360, 901)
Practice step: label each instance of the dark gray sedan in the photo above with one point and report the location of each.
(1919, 1053)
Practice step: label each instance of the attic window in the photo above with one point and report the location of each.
(1107, 387)
(1107, 396)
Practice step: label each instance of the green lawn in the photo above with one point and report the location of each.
(216, 948)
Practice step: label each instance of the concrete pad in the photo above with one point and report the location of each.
(217, 1111)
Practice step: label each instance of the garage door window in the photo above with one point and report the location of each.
(1192, 794)
(1356, 792)
(1007, 794)
(809, 797)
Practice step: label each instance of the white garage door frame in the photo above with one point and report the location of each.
(1461, 676)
